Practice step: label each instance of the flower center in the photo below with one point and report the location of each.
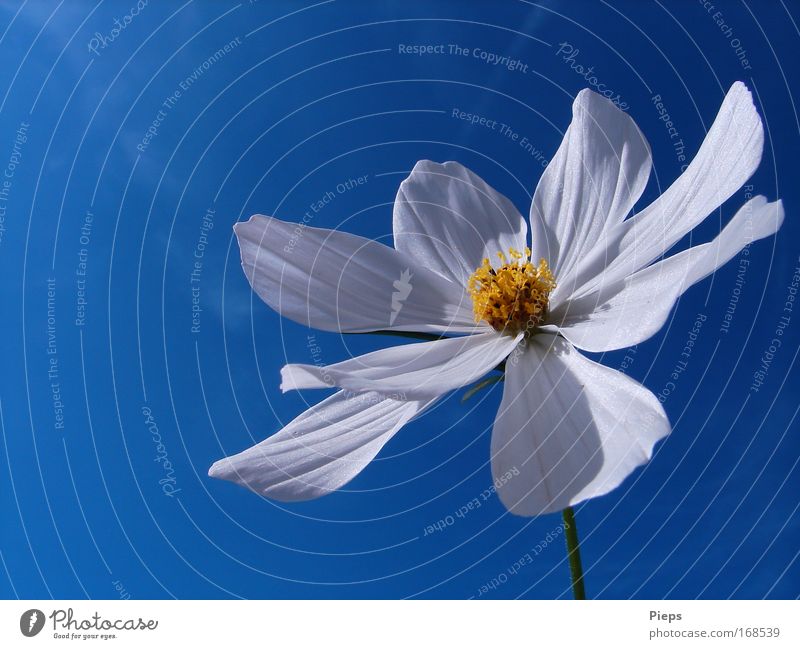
(513, 297)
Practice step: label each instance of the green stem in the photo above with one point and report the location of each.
(574, 553)
(414, 335)
(485, 383)
(402, 334)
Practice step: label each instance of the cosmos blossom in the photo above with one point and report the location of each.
(588, 276)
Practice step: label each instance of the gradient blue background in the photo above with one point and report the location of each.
(314, 95)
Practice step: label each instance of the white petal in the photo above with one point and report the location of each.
(728, 156)
(637, 308)
(449, 220)
(592, 183)
(332, 280)
(568, 429)
(322, 449)
(409, 371)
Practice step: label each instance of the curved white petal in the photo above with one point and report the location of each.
(730, 153)
(637, 308)
(322, 449)
(411, 371)
(568, 429)
(448, 219)
(592, 183)
(332, 280)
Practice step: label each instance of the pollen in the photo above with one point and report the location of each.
(513, 297)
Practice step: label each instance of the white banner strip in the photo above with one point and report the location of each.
(388, 624)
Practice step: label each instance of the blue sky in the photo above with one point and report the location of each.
(134, 146)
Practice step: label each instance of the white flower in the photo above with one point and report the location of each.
(568, 428)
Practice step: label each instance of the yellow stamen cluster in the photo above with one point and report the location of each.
(513, 297)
